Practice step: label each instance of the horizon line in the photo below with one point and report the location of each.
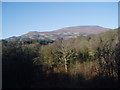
(55, 30)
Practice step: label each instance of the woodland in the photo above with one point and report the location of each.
(84, 62)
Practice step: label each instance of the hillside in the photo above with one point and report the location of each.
(65, 33)
(86, 61)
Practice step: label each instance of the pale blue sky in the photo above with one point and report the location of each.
(0, 20)
(20, 18)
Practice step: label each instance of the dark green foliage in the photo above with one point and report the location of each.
(45, 42)
(18, 69)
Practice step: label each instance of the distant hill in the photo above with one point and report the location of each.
(83, 29)
(65, 33)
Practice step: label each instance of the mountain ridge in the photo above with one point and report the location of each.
(66, 32)
(75, 28)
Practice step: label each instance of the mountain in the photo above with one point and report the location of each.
(65, 33)
(84, 29)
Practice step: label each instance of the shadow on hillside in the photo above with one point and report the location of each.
(64, 80)
(58, 80)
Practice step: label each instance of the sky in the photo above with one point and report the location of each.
(0, 19)
(22, 17)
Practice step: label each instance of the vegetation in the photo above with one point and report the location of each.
(85, 61)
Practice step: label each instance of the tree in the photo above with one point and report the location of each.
(68, 54)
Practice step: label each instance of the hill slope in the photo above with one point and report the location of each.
(65, 33)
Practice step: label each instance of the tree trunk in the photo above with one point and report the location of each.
(66, 65)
